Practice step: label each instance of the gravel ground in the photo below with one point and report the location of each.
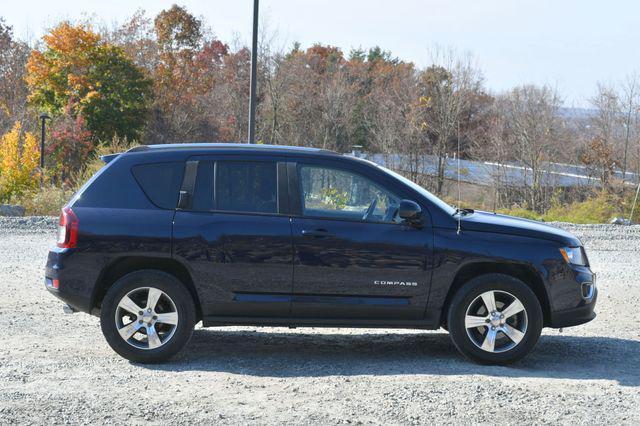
(56, 368)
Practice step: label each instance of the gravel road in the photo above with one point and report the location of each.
(56, 368)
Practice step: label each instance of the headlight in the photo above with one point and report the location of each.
(574, 255)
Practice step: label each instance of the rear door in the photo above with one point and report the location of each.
(354, 258)
(235, 236)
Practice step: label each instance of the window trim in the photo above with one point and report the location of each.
(298, 194)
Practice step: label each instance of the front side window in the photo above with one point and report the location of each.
(246, 186)
(340, 194)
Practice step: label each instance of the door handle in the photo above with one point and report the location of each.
(316, 233)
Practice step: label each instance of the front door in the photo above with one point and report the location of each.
(235, 240)
(354, 258)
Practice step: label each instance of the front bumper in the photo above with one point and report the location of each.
(575, 316)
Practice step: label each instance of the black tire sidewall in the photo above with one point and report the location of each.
(164, 282)
(472, 289)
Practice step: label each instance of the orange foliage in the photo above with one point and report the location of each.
(63, 72)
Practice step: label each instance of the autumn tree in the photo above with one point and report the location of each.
(19, 157)
(77, 68)
(177, 29)
(598, 157)
(189, 67)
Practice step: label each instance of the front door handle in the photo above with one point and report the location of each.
(316, 233)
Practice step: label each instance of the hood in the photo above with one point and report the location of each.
(503, 224)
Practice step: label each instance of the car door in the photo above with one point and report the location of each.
(235, 236)
(354, 258)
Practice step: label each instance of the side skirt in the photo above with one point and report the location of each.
(217, 321)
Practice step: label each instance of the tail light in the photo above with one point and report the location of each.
(68, 229)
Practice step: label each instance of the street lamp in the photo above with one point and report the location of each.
(43, 118)
(254, 62)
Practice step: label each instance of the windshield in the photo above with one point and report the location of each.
(435, 200)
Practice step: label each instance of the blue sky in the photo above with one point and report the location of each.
(569, 44)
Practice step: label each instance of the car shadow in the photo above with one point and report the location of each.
(299, 354)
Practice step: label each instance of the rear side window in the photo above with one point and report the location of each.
(160, 182)
(246, 186)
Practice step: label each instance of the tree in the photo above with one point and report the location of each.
(444, 94)
(177, 29)
(606, 123)
(13, 90)
(598, 155)
(630, 100)
(96, 79)
(19, 155)
(195, 77)
(533, 134)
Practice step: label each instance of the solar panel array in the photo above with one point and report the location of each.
(491, 173)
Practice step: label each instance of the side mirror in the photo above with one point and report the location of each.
(410, 211)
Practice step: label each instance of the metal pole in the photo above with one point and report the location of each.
(43, 118)
(254, 63)
(635, 200)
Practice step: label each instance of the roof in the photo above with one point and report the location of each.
(231, 147)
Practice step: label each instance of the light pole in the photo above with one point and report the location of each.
(254, 62)
(43, 118)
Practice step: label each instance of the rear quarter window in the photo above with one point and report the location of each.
(160, 182)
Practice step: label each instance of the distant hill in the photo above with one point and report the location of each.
(577, 113)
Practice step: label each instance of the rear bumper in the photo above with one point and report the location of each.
(575, 316)
(74, 287)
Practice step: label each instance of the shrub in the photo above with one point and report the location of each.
(598, 209)
(46, 201)
(69, 147)
(520, 212)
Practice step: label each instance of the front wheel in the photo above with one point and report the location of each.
(147, 316)
(495, 319)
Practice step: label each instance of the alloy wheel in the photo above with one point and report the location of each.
(496, 321)
(146, 318)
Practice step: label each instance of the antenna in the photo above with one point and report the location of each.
(458, 165)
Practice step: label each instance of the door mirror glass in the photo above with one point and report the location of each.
(410, 211)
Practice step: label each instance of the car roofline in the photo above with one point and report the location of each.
(240, 147)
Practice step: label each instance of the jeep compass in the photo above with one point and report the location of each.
(165, 236)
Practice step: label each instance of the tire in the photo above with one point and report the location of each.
(160, 332)
(514, 335)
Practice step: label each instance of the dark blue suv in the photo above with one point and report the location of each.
(165, 236)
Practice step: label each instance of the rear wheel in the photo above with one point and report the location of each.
(495, 319)
(147, 316)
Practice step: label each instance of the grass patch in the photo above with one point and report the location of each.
(44, 202)
(521, 212)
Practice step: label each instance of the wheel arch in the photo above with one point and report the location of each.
(122, 266)
(524, 273)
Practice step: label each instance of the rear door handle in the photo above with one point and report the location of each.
(316, 233)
